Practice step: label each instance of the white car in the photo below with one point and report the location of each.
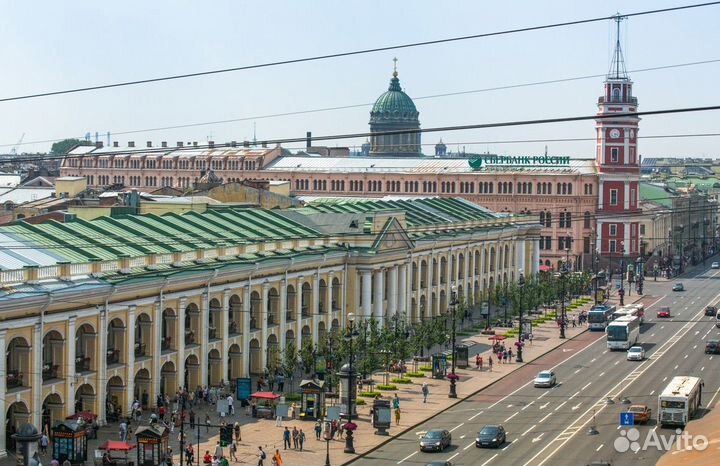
(715, 265)
(636, 353)
(545, 379)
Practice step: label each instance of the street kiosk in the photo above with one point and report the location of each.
(313, 399)
(439, 366)
(70, 442)
(152, 444)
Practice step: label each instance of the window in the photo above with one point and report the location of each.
(612, 245)
(613, 197)
(586, 245)
(642, 228)
(632, 198)
(587, 219)
(548, 219)
(613, 229)
(614, 154)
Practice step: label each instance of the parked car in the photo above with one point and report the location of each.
(490, 436)
(711, 311)
(545, 379)
(641, 413)
(663, 312)
(715, 265)
(678, 287)
(636, 353)
(435, 439)
(712, 347)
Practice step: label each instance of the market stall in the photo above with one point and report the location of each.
(70, 442)
(117, 451)
(263, 404)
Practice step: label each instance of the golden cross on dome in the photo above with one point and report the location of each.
(395, 73)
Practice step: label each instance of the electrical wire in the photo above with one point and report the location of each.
(354, 52)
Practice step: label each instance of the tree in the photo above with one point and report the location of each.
(291, 360)
(62, 147)
(307, 356)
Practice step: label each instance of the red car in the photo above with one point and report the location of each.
(663, 312)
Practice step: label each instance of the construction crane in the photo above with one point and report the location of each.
(13, 151)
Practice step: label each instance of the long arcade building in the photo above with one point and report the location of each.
(97, 313)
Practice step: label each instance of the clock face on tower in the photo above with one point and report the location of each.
(614, 133)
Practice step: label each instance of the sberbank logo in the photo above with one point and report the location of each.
(518, 161)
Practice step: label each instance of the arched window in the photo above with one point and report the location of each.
(616, 95)
(542, 218)
(569, 188)
(548, 219)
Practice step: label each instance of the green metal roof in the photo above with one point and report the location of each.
(418, 212)
(703, 184)
(656, 194)
(394, 104)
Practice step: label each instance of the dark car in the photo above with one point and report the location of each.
(440, 463)
(711, 311)
(435, 439)
(712, 347)
(490, 436)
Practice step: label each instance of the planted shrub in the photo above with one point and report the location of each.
(403, 380)
(389, 386)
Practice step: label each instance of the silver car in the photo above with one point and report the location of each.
(545, 379)
(636, 353)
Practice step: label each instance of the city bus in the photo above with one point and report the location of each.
(633, 310)
(622, 333)
(680, 400)
(599, 317)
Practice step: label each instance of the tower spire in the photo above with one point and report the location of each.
(395, 73)
(617, 65)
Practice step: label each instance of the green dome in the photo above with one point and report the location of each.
(394, 104)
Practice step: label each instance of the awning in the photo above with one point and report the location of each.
(265, 396)
(116, 445)
(544, 268)
(86, 416)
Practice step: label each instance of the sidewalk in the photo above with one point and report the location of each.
(265, 433)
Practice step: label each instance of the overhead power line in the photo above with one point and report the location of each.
(351, 53)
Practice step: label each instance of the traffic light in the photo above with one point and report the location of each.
(226, 435)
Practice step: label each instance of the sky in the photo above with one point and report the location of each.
(49, 45)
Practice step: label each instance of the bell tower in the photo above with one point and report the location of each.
(618, 161)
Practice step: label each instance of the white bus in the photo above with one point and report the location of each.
(680, 400)
(622, 333)
(637, 310)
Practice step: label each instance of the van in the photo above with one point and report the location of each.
(717, 319)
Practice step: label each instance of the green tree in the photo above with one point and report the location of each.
(307, 356)
(290, 361)
(62, 147)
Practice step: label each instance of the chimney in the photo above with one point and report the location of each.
(308, 139)
(177, 259)
(149, 143)
(116, 144)
(194, 143)
(95, 266)
(233, 144)
(64, 270)
(179, 143)
(246, 143)
(131, 144)
(211, 144)
(99, 145)
(124, 263)
(163, 144)
(264, 144)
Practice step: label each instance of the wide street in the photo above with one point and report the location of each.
(550, 426)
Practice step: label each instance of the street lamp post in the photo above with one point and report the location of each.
(349, 335)
(595, 274)
(452, 305)
(706, 222)
(563, 323)
(521, 285)
(327, 434)
(622, 271)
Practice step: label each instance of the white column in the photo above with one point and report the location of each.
(180, 338)
(283, 313)
(379, 296)
(328, 300)
(403, 294)
(342, 298)
(130, 359)
(471, 277)
(204, 334)
(37, 383)
(225, 325)
(520, 254)
(69, 369)
(626, 234)
(264, 325)
(429, 289)
(392, 290)
(535, 267)
(626, 196)
(298, 311)
(3, 412)
(315, 309)
(246, 333)
(366, 293)
(157, 325)
(601, 193)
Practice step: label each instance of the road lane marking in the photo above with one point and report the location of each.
(662, 327)
(543, 419)
(543, 395)
(538, 438)
(586, 386)
(476, 415)
(491, 458)
(675, 368)
(598, 448)
(527, 406)
(574, 395)
(453, 456)
(459, 425)
(604, 351)
(462, 437)
(621, 386)
(472, 444)
(506, 420)
(545, 405)
(651, 393)
(593, 360)
(694, 347)
(686, 356)
(531, 428)
(652, 335)
(578, 371)
(577, 406)
(601, 374)
(664, 379)
(616, 363)
(561, 405)
(702, 368)
(509, 406)
(408, 457)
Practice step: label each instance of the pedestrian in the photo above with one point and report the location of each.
(233, 451)
(123, 431)
(295, 435)
(278, 420)
(224, 461)
(477, 361)
(231, 405)
(286, 438)
(218, 450)
(238, 435)
(505, 356)
(173, 421)
(490, 363)
(261, 456)
(207, 422)
(397, 416)
(480, 362)
(301, 439)
(510, 355)
(161, 412)
(277, 458)
(44, 441)
(318, 429)
(191, 414)
(573, 322)
(425, 391)
(396, 401)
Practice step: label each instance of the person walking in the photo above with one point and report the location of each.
(477, 361)
(397, 416)
(207, 422)
(505, 356)
(261, 456)
(231, 405)
(490, 363)
(233, 452)
(301, 439)
(396, 401)
(218, 450)
(191, 414)
(318, 429)
(425, 391)
(286, 438)
(238, 434)
(277, 458)
(44, 441)
(480, 362)
(510, 355)
(295, 435)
